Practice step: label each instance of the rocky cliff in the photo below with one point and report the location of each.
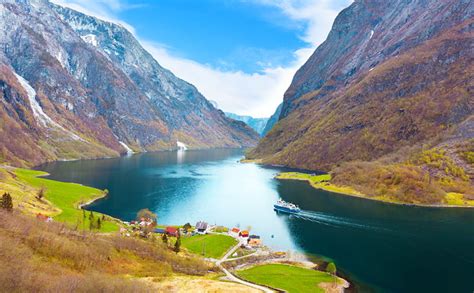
(391, 74)
(73, 86)
(272, 120)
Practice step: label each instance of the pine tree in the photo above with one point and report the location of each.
(91, 221)
(7, 202)
(177, 245)
(99, 224)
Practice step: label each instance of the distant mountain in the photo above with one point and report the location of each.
(272, 120)
(257, 124)
(73, 86)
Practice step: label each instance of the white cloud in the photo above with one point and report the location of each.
(318, 15)
(257, 94)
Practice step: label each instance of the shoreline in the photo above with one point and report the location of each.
(357, 194)
(35, 167)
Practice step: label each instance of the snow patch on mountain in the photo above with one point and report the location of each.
(90, 39)
(38, 112)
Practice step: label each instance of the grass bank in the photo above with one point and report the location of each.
(451, 199)
(65, 199)
(209, 245)
(319, 182)
(287, 277)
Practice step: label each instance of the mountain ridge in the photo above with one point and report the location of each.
(93, 79)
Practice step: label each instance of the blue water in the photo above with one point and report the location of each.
(383, 247)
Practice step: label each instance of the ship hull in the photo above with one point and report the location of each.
(285, 210)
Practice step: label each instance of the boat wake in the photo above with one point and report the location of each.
(334, 221)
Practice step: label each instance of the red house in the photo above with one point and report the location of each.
(171, 231)
(244, 233)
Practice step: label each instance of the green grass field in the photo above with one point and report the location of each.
(304, 176)
(286, 277)
(213, 245)
(67, 197)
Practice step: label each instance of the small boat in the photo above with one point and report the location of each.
(286, 207)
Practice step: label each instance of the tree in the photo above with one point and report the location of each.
(164, 238)
(187, 226)
(7, 202)
(91, 221)
(41, 193)
(99, 223)
(331, 268)
(177, 245)
(148, 216)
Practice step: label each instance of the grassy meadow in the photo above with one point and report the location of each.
(64, 198)
(213, 245)
(287, 277)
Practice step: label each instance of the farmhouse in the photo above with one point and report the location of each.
(244, 233)
(171, 231)
(201, 227)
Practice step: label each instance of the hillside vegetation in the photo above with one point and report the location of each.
(50, 257)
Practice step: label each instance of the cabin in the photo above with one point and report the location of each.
(171, 231)
(234, 231)
(201, 227)
(43, 218)
(244, 233)
(254, 242)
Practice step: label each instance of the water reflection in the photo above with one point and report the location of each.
(180, 155)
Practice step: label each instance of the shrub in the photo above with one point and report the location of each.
(331, 268)
(6, 202)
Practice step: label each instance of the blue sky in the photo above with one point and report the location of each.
(240, 53)
(229, 35)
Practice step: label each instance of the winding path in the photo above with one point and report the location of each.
(232, 277)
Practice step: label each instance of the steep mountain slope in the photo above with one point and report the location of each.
(272, 120)
(257, 124)
(386, 104)
(390, 75)
(73, 86)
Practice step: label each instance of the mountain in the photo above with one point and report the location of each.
(272, 120)
(392, 79)
(257, 124)
(73, 86)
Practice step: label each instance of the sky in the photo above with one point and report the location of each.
(242, 54)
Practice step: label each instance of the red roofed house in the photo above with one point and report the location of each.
(244, 233)
(234, 232)
(171, 231)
